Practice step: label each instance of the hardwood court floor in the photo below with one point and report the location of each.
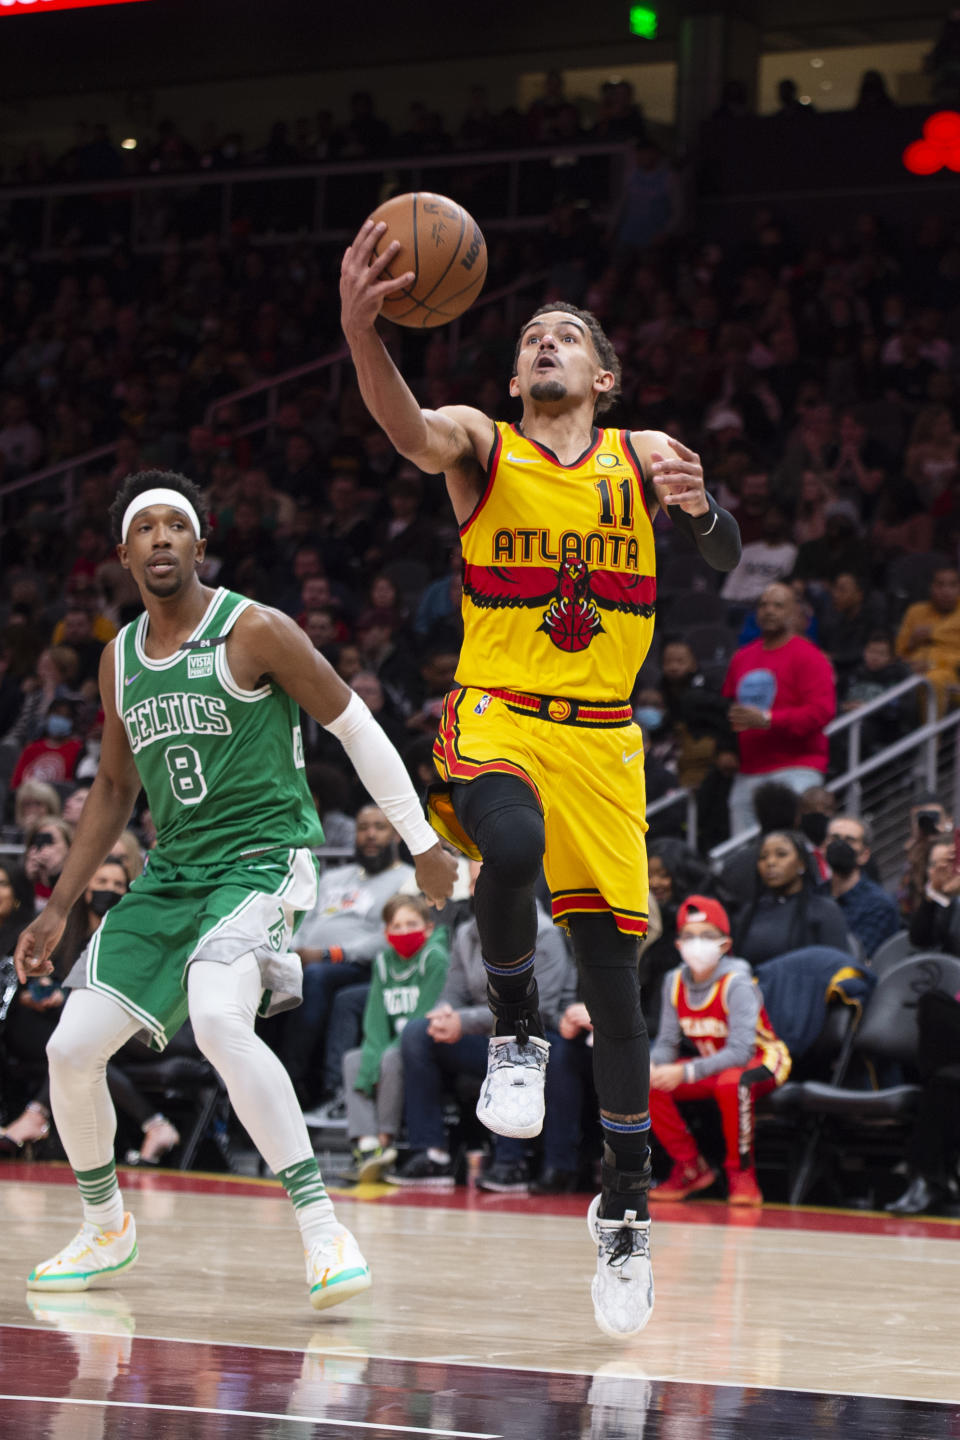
(775, 1324)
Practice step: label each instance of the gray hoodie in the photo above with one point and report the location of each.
(466, 985)
(743, 1004)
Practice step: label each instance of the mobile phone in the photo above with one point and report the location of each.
(41, 987)
(928, 822)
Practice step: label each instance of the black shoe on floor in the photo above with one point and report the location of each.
(505, 1179)
(419, 1169)
(918, 1197)
(555, 1182)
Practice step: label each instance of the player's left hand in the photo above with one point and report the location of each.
(679, 479)
(436, 871)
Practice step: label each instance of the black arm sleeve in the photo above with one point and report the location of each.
(716, 534)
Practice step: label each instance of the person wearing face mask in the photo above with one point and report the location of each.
(870, 913)
(712, 1002)
(407, 979)
(53, 758)
(36, 1014)
(816, 806)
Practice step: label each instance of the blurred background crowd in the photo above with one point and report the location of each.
(815, 367)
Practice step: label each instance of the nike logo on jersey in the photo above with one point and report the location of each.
(632, 756)
(129, 679)
(521, 459)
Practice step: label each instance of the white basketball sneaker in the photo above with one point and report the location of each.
(622, 1288)
(93, 1257)
(511, 1100)
(336, 1270)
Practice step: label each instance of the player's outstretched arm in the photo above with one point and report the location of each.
(676, 476)
(105, 813)
(455, 440)
(270, 643)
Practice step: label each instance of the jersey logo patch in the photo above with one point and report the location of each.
(609, 461)
(481, 705)
(298, 759)
(276, 932)
(199, 665)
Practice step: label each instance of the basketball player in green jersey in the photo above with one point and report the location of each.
(200, 699)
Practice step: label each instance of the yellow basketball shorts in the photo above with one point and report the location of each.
(584, 763)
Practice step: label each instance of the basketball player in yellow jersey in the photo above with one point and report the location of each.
(539, 759)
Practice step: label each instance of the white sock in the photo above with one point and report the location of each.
(317, 1222)
(108, 1215)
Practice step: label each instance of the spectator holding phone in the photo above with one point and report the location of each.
(47, 846)
(928, 819)
(935, 921)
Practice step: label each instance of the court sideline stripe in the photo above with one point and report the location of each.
(256, 1415)
(440, 1359)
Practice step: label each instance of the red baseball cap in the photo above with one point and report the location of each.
(702, 908)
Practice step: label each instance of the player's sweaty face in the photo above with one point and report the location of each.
(161, 549)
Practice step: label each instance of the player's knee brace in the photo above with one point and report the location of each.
(501, 815)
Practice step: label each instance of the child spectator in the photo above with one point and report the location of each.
(407, 978)
(713, 1003)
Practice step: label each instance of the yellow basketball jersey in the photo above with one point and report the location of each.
(559, 571)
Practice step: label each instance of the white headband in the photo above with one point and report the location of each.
(173, 498)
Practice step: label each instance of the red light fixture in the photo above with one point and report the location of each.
(939, 148)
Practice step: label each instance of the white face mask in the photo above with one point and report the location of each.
(700, 954)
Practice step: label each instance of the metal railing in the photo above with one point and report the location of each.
(672, 800)
(882, 788)
(503, 190)
(61, 480)
(270, 386)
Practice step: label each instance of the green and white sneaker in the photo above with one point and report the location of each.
(336, 1271)
(93, 1257)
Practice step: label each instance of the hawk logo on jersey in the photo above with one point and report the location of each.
(199, 665)
(572, 619)
(574, 595)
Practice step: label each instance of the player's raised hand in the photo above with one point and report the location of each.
(678, 479)
(436, 872)
(362, 288)
(36, 944)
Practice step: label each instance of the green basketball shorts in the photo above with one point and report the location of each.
(175, 914)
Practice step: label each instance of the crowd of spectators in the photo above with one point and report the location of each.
(612, 116)
(818, 380)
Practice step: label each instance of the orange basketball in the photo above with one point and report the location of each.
(445, 248)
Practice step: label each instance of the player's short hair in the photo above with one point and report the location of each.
(144, 480)
(606, 354)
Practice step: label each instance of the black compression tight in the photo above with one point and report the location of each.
(503, 818)
(610, 989)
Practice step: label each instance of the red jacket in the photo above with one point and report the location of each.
(795, 682)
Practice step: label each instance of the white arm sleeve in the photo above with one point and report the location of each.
(383, 773)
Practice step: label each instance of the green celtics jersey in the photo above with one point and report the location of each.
(222, 767)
